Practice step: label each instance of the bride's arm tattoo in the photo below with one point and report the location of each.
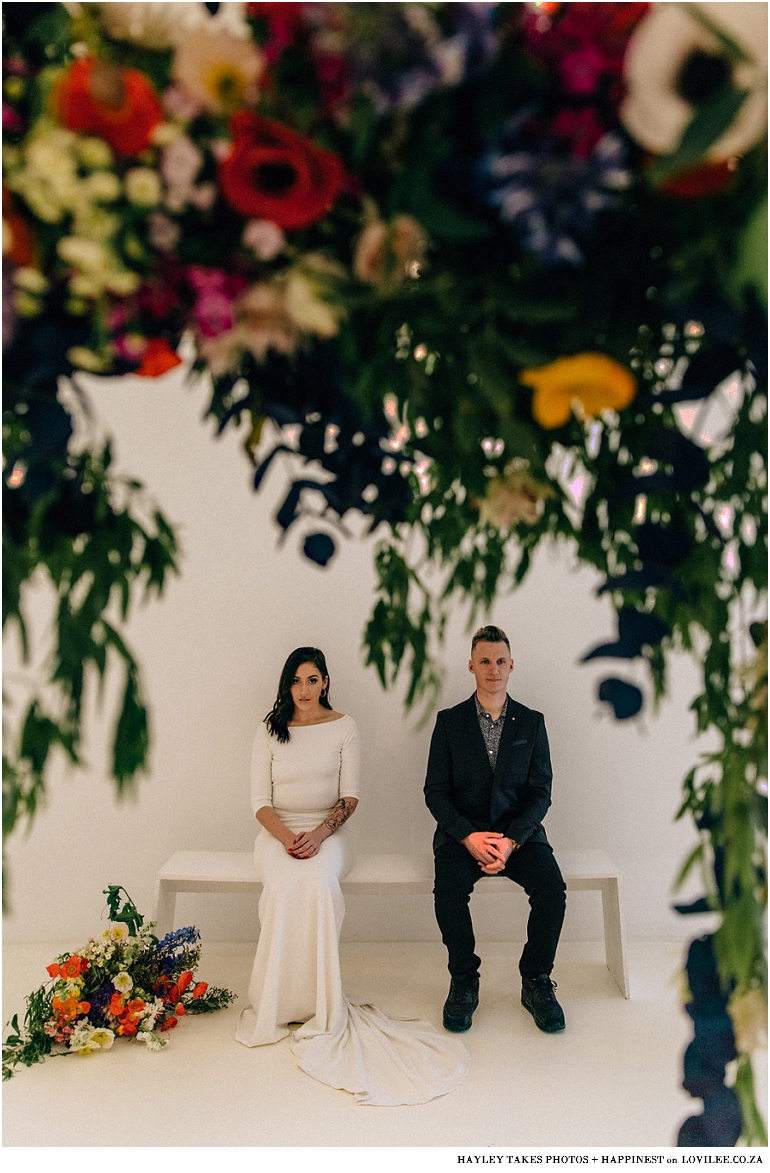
(341, 811)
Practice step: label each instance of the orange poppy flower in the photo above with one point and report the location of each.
(73, 967)
(117, 1005)
(585, 384)
(66, 1008)
(158, 358)
(184, 980)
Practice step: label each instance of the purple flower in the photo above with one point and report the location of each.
(549, 198)
(401, 54)
(10, 317)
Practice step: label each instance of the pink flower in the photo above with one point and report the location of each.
(181, 162)
(204, 196)
(213, 310)
(163, 233)
(11, 120)
(582, 69)
(264, 238)
(179, 104)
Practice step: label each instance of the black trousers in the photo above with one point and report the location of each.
(534, 867)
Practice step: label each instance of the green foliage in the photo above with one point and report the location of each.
(754, 1127)
(98, 544)
(122, 910)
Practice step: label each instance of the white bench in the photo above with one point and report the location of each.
(233, 871)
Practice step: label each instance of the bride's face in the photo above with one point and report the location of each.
(306, 688)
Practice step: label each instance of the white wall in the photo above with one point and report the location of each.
(211, 652)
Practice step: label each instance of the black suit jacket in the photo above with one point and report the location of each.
(464, 794)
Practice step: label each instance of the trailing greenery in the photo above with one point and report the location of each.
(96, 543)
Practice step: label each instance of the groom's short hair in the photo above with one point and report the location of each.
(490, 635)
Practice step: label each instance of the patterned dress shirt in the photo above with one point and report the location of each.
(491, 730)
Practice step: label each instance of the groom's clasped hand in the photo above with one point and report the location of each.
(490, 848)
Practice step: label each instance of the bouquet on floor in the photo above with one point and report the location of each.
(125, 983)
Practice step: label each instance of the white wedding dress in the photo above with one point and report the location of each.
(296, 976)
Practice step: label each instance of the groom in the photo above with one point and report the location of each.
(488, 786)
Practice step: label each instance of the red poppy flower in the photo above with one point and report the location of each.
(169, 1024)
(158, 358)
(273, 173)
(180, 1009)
(53, 970)
(119, 105)
(200, 989)
(707, 179)
(184, 980)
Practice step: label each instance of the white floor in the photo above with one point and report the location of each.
(611, 1079)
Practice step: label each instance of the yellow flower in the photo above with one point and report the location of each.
(585, 384)
(93, 153)
(85, 359)
(143, 186)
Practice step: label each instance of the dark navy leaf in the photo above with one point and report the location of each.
(319, 548)
(690, 464)
(289, 511)
(636, 630)
(264, 466)
(626, 699)
(701, 905)
(709, 367)
(651, 576)
(664, 546)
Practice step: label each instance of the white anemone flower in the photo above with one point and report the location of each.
(160, 25)
(102, 1037)
(123, 982)
(655, 113)
(219, 70)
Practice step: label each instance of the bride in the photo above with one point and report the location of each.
(304, 788)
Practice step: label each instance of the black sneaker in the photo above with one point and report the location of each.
(537, 996)
(462, 1001)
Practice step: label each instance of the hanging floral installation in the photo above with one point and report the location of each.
(470, 277)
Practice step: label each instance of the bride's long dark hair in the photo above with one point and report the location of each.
(277, 720)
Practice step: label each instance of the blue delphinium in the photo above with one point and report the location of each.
(548, 196)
